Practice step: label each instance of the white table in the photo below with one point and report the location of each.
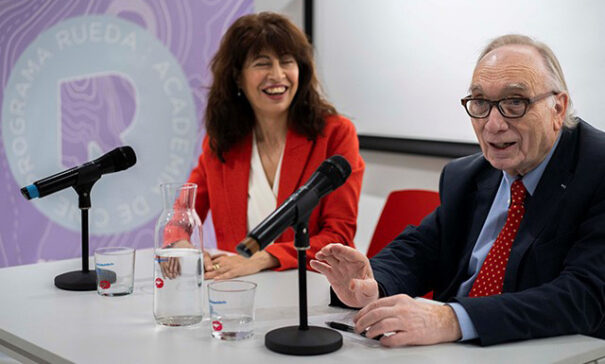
(41, 323)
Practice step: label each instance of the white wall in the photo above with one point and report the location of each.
(394, 171)
(399, 68)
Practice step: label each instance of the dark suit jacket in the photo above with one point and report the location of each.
(555, 278)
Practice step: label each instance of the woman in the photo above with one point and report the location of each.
(268, 129)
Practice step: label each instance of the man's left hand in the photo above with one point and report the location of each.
(411, 322)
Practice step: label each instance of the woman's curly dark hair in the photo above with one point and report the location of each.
(229, 117)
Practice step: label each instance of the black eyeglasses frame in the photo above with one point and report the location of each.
(526, 100)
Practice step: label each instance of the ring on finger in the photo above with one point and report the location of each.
(216, 266)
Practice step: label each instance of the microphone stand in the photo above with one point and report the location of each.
(84, 280)
(303, 339)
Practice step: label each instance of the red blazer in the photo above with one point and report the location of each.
(223, 188)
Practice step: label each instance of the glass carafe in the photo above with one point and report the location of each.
(178, 266)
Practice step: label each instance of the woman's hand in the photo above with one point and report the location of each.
(171, 267)
(208, 261)
(224, 266)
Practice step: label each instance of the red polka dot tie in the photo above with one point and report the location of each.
(491, 276)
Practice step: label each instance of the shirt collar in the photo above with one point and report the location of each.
(531, 179)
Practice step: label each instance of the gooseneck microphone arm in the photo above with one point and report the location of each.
(301, 243)
(84, 205)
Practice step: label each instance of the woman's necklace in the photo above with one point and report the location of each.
(269, 155)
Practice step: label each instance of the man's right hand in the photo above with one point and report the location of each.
(349, 272)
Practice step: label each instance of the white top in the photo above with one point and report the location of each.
(262, 198)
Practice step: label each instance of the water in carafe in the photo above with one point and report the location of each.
(178, 266)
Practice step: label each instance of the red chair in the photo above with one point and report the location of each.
(402, 208)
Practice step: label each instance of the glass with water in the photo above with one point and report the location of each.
(231, 306)
(178, 266)
(115, 270)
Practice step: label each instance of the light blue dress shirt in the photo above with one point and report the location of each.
(491, 228)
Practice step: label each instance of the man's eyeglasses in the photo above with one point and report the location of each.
(509, 107)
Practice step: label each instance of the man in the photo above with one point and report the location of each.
(510, 266)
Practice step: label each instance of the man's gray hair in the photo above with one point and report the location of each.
(550, 61)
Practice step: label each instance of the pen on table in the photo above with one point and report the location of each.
(348, 328)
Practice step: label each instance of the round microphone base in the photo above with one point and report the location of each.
(77, 281)
(293, 340)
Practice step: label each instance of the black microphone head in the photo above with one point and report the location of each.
(127, 158)
(337, 169)
(118, 159)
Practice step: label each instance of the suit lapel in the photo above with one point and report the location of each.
(549, 192)
(236, 172)
(487, 187)
(294, 164)
(481, 201)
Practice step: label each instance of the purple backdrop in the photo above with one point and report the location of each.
(97, 111)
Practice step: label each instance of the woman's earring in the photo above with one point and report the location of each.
(239, 92)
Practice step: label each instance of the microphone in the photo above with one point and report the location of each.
(116, 160)
(331, 174)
